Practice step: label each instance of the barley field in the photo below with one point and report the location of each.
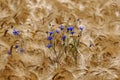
(59, 39)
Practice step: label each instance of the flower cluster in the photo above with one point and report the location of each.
(50, 38)
(63, 31)
(21, 50)
(17, 47)
(64, 40)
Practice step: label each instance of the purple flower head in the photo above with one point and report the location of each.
(16, 46)
(57, 31)
(50, 38)
(21, 50)
(49, 45)
(15, 32)
(70, 28)
(81, 28)
(72, 32)
(61, 27)
(51, 32)
(63, 37)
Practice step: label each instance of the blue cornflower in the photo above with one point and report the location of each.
(57, 31)
(51, 32)
(81, 28)
(63, 37)
(16, 46)
(49, 45)
(61, 27)
(50, 38)
(21, 50)
(70, 28)
(72, 32)
(15, 32)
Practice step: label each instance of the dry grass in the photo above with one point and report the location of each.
(33, 18)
